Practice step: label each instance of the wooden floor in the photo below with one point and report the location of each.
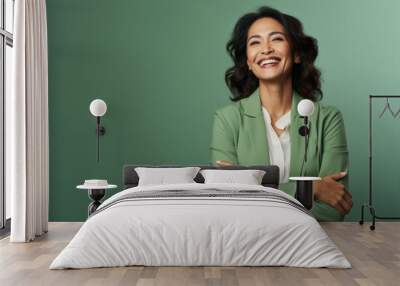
(375, 256)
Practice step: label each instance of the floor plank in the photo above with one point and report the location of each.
(374, 255)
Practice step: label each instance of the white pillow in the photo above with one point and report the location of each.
(163, 176)
(248, 177)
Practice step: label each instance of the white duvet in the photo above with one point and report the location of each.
(200, 231)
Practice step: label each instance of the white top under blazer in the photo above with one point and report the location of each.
(279, 146)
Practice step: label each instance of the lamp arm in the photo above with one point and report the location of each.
(305, 132)
(98, 137)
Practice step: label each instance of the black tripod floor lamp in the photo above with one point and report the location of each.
(369, 205)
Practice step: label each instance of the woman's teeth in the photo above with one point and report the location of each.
(265, 63)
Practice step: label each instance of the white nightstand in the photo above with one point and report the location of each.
(96, 190)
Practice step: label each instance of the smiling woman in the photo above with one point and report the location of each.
(271, 30)
(273, 70)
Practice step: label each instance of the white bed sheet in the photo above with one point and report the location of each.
(202, 232)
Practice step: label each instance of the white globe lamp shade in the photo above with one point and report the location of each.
(305, 107)
(98, 107)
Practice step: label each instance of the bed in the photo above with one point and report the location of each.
(201, 224)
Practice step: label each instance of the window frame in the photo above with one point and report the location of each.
(6, 39)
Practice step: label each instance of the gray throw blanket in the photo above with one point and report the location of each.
(206, 194)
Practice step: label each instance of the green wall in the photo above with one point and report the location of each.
(160, 67)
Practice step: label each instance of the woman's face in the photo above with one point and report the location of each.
(269, 54)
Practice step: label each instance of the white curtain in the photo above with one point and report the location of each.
(27, 146)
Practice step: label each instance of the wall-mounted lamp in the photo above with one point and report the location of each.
(305, 108)
(98, 108)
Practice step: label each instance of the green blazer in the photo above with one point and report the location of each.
(239, 136)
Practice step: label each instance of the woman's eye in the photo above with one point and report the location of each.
(277, 39)
(252, 43)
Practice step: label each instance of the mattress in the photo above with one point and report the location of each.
(201, 225)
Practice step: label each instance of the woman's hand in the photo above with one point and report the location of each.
(223, 163)
(333, 193)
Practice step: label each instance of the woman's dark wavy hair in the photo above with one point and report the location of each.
(306, 77)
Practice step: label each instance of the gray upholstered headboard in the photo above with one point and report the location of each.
(130, 178)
